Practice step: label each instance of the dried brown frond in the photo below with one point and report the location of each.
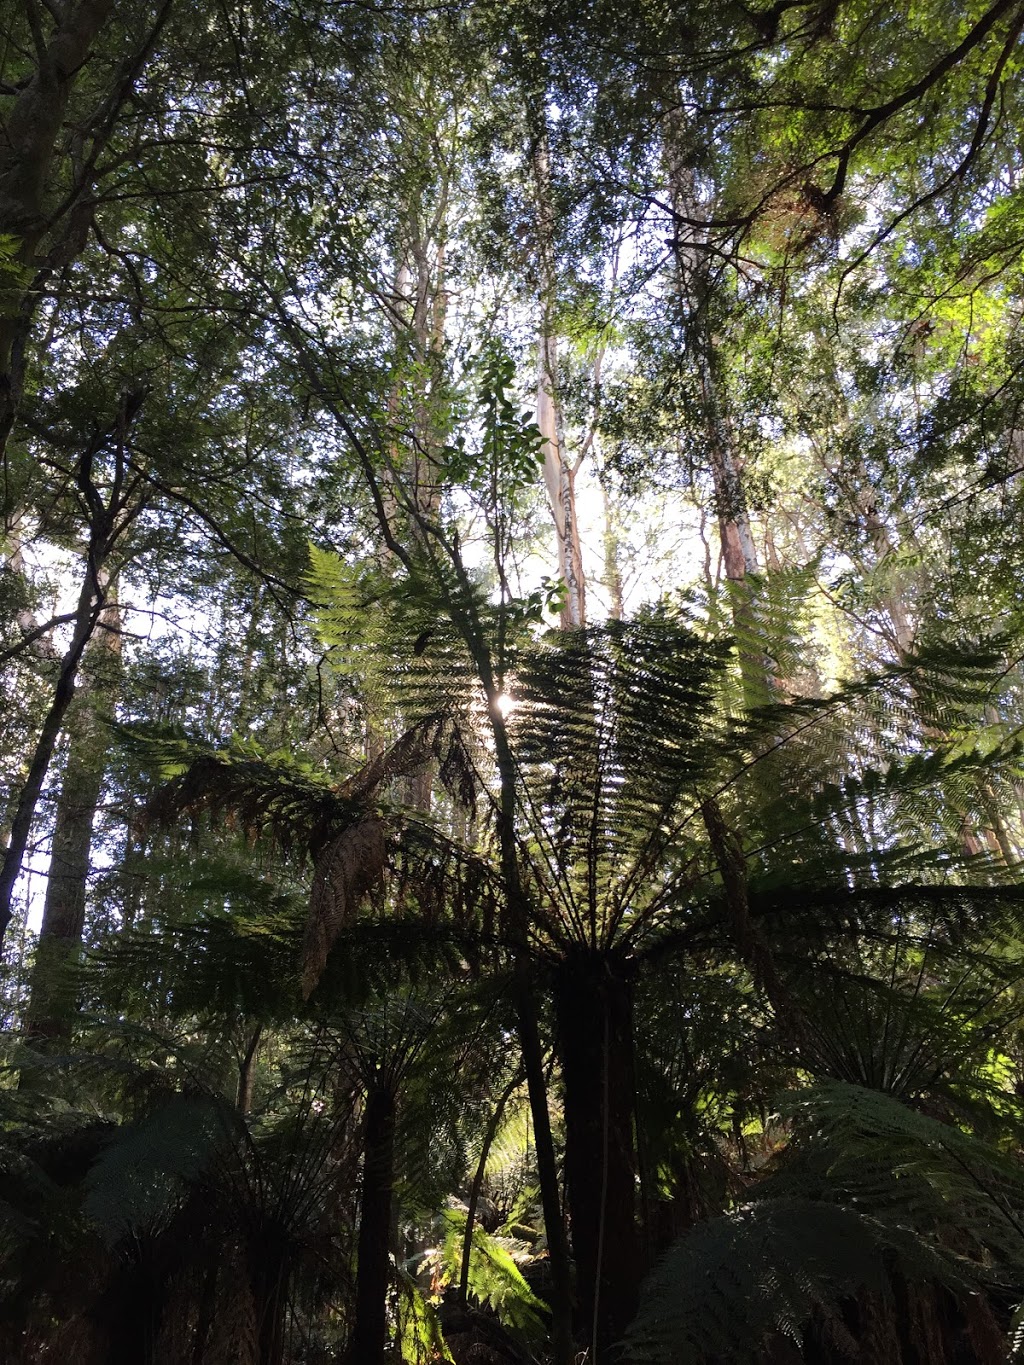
(350, 865)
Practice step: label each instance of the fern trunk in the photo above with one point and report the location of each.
(373, 1265)
(593, 999)
(270, 1296)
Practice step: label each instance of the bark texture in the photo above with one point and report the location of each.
(594, 1008)
(52, 1000)
(559, 472)
(373, 1265)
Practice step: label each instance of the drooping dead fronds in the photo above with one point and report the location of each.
(341, 826)
(348, 868)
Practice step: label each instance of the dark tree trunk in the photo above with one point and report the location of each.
(28, 137)
(373, 1268)
(270, 1294)
(90, 606)
(51, 1002)
(594, 1004)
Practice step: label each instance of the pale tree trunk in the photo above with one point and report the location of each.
(417, 403)
(885, 548)
(29, 136)
(413, 495)
(559, 471)
(739, 553)
(51, 1002)
(696, 288)
(612, 557)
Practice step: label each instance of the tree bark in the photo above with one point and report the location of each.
(27, 143)
(90, 606)
(518, 910)
(739, 553)
(373, 1264)
(51, 1000)
(594, 1008)
(559, 474)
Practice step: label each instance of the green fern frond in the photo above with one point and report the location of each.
(141, 1176)
(734, 1282)
(495, 1280)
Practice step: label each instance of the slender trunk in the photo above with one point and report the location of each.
(695, 287)
(612, 558)
(594, 1006)
(752, 947)
(903, 632)
(51, 1002)
(560, 480)
(739, 553)
(27, 141)
(373, 1265)
(417, 406)
(247, 1072)
(559, 474)
(90, 606)
(269, 1273)
(478, 1180)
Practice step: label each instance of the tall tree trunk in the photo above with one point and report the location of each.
(51, 1001)
(373, 1264)
(30, 139)
(29, 136)
(247, 1071)
(612, 558)
(594, 1007)
(696, 289)
(90, 606)
(559, 473)
(695, 286)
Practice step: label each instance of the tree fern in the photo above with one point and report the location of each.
(870, 1189)
(145, 1170)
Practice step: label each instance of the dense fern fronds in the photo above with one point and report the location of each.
(902, 747)
(612, 727)
(430, 640)
(283, 797)
(869, 1194)
(736, 1282)
(142, 1175)
(868, 1150)
(348, 828)
(622, 743)
(495, 1278)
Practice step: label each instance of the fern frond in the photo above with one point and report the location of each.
(147, 1166)
(735, 1282)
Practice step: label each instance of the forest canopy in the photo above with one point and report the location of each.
(511, 638)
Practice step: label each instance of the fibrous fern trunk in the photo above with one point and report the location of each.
(373, 1265)
(593, 1001)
